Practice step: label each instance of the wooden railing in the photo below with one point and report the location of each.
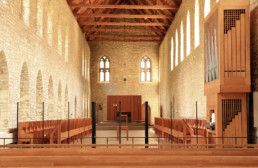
(182, 129)
(66, 156)
(55, 131)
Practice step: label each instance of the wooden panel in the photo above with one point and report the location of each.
(238, 31)
(233, 131)
(230, 74)
(234, 51)
(240, 141)
(237, 128)
(128, 104)
(243, 42)
(244, 119)
(226, 54)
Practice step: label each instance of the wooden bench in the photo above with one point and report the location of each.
(129, 157)
(32, 132)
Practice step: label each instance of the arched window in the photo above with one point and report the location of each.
(4, 2)
(188, 34)
(182, 41)
(83, 62)
(177, 46)
(59, 42)
(26, 11)
(145, 69)
(104, 69)
(40, 17)
(86, 64)
(172, 54)
(50, 22)
(197, 24)
(66, 43)
(207, 7)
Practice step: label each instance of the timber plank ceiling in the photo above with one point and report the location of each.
(124, 20)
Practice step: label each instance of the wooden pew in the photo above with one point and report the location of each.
(32, 132)
(182, 129)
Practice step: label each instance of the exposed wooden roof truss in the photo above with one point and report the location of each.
(124, 20)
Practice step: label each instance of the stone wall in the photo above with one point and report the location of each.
(35, 68)
(184, 85)
(125, 59)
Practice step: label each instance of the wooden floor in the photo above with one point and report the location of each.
(68, 157)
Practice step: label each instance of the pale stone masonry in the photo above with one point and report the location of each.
(32, 71)
(125, 60)
(185, 84)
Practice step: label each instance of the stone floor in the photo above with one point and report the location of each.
(135, 137)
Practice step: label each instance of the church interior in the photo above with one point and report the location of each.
(128, 83)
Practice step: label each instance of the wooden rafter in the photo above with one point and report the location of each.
(123, 30)
(106, 40)
(125, 36)
(134, 21)
(124, 24)
(122, 16)
(93, 6)
(141, 11)
(103, 19)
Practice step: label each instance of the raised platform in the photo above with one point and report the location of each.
(111, 125)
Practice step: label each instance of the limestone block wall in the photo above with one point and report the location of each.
(184, 85)
(44, 57)
(125, 59)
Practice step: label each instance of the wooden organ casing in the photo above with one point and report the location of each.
(227, 69)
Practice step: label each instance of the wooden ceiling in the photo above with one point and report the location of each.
(124, 20)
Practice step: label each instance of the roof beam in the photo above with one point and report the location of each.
(124, 36)
(92, 6)
(141, 11)
(124, 24)
(159, 41)
(123, 16)
(123, 30)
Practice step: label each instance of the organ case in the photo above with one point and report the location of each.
(227, 68)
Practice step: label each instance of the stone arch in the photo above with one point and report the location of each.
(59, 101)
(39, 96)
(24, 93)
(50, 101)
(66, 103)
(75, 107)
(4, 91)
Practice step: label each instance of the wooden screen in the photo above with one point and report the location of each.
(128, 104)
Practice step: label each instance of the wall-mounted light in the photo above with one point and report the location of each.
(124, 78)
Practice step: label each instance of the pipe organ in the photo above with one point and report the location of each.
(227, 70)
